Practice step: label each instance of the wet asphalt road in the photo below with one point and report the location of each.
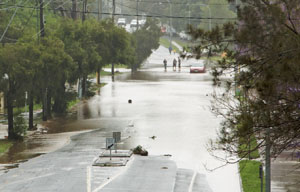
(172, 106)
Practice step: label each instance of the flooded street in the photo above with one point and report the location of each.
(169, 114)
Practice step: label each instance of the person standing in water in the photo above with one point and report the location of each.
(179, 63)
(165, 64)
(174, 64)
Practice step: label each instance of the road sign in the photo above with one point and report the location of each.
(117, 136)
(110, 143)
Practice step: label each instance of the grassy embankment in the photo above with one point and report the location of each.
(249, 171)
(116, 66)
(166, 43)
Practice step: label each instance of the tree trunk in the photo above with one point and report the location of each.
(10, 115)
(60, 104)
(98, 75)
(112, 69)
(83, 86)
(45, 105)
(49, 104)
(30, 110)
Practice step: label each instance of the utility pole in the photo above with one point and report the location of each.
(42, 27)
(74, 9)
(137, 14)
(113, 11)
(37, 22)
(84, 2)
(99, 10)
(113, 21)
(99, 19)
(81, 83)
(42, 32)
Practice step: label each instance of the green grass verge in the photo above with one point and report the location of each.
(105, 73)
(166, 43)
(72, 103)
(181, 43)
(96, 86)
(116, 66)
(253, 143)
(249, 171)
(18, 110)
(5, 145)
(215, 58)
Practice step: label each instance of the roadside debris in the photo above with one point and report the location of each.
(140, 151)
(153, 137)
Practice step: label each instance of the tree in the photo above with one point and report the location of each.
(54, 73)
(263, 54)
(146, 40)
(14, 74)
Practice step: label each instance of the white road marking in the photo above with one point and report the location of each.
(196, 170)
(115, 176)
(192, 182)
(88, 179)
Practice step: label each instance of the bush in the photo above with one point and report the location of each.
(20, 127)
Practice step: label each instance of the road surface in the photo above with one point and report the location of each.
(172, 106)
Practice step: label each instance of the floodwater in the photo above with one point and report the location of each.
(169, 114)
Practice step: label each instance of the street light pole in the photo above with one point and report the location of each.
(170, 22)
(99, 10)
(188, 4)
(189, 12)
(113, 11)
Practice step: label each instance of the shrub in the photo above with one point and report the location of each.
(140, 151)
(20, 127)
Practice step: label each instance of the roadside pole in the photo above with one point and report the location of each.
(42, 33)
(99, 10)
(113, 21)
(74, 8)
(261, 176)
(99, 19)
(137, 14)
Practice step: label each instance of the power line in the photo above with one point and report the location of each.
(151, 16)
(181, 3)
(156, 14)
(10, 21)
(124, 14)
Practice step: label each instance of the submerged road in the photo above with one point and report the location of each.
(170, 114)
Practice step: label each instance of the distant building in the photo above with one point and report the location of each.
(1, 103)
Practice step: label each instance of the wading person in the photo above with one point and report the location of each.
(174, 64)
(165, 64)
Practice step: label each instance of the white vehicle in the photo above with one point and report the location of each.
(142, 22)
(121, 22)
(133, 23)
(184, 36)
